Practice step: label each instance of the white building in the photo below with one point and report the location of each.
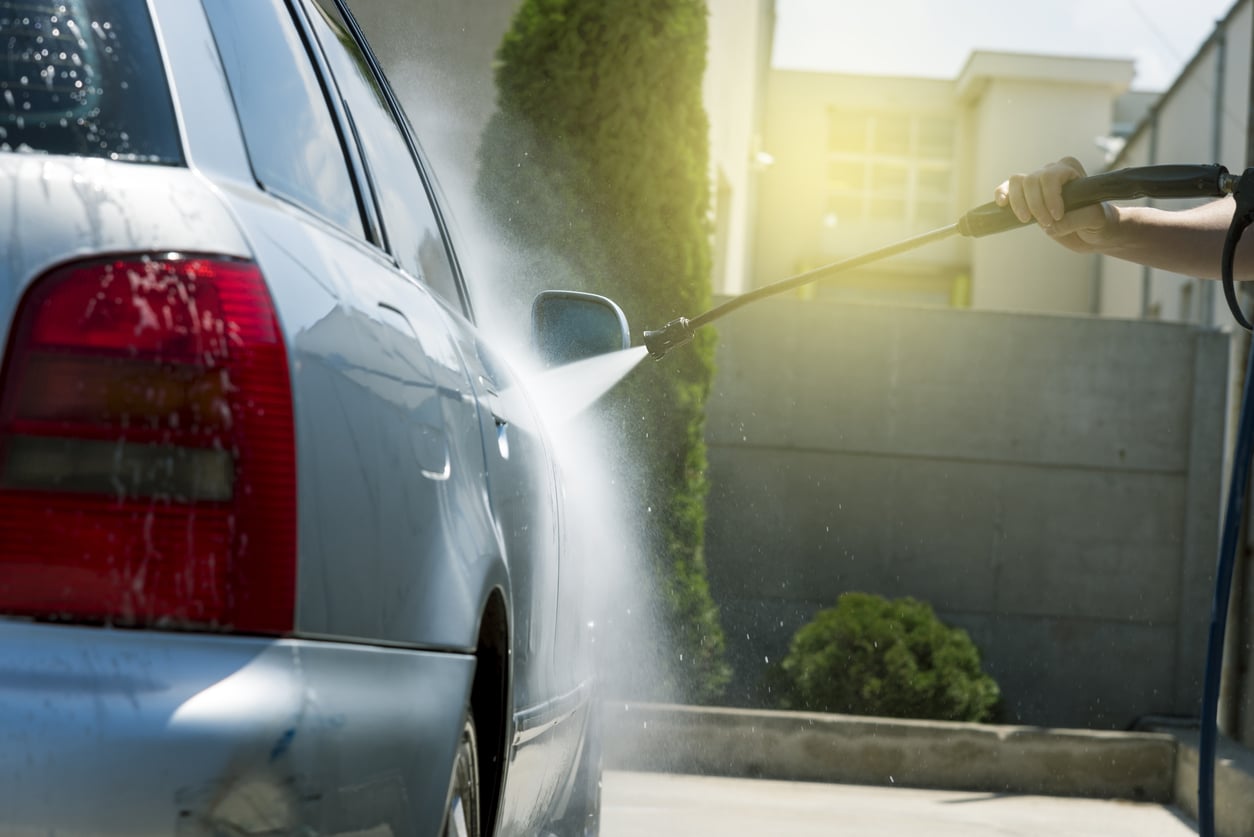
(1202, 118)
(861, 162)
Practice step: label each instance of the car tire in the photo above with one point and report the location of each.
(461, 813)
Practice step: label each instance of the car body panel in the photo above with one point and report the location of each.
(391, 480)
(118, 732)
(57, 209)
(425, 486)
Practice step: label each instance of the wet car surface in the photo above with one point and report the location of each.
(280, 531)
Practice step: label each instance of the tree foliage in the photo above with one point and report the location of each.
(869, 655)
(596, 160)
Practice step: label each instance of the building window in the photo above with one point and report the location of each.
(890, 167)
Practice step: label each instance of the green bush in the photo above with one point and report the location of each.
(872, 656)
(594, 170)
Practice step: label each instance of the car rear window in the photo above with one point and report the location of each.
(84, 77)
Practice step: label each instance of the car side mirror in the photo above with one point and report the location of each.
(567, 326)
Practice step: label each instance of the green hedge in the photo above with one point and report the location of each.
(597, 159)
(869, 655)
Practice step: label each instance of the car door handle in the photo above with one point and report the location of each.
(492, 400)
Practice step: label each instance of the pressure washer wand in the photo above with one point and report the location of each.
(1167, 181)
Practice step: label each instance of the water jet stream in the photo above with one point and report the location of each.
(564, 392)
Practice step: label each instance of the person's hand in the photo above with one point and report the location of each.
(1038, 197)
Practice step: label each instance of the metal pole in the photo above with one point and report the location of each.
(1206, 288)
(1147, 272)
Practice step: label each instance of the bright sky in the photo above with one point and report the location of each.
(932, 38)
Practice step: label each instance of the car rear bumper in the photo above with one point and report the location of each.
(142, 732)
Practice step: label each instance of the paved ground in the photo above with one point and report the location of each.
(668, 805)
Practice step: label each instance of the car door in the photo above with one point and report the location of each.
(396, 537)
(519, 477)
(484, 404)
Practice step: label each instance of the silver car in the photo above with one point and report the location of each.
(280, 535)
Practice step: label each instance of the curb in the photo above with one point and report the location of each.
(1234, 783)
(877, 751)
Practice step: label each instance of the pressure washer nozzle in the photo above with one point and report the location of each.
(675, 333)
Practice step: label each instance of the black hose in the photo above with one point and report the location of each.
(1229, 541)
(821, 273)
(679, 331)
(1219, 605)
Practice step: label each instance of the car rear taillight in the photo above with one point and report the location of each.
(147, 455)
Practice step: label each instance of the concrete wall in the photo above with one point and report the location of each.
(1051, 484)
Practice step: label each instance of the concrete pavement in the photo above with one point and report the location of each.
(670, 805)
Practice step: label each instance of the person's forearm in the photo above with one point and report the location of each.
(1188, 241)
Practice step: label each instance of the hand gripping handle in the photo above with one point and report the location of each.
(1168, 181)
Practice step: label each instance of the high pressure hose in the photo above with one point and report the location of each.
(1170, 181)
(1228, 543)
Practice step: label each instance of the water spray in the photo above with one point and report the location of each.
(1168, 181)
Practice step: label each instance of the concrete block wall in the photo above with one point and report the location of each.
(1051, 484)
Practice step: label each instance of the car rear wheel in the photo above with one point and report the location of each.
(461, 815)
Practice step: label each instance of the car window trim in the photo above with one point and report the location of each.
(350, 143)
(420, 164)
(276, 194)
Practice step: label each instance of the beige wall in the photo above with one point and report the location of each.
(1018, 125)
(791, 234)
(1121, 282)
(1011, 111)
(738, 58)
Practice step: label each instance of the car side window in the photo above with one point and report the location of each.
(409, 222)
(292, 141)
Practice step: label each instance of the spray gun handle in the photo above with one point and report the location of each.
(1169, 181)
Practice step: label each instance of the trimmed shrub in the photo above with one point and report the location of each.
(869, 655)
(594, 170)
